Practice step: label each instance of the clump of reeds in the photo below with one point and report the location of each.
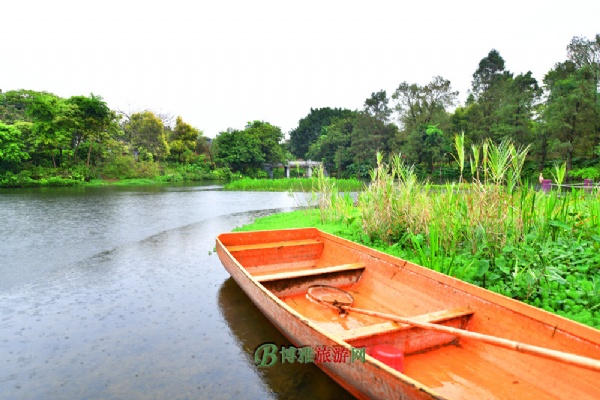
(495, 210)
(332, 201)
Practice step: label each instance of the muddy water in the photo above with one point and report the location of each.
(115, 293)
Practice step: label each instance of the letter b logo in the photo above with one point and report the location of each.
(265, 355)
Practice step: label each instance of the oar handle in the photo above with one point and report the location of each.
(568, 358)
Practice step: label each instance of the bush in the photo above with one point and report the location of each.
(585, 173)
(119, 167)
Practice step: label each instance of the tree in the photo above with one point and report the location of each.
(417, 105)
(570, 111)
(585, 54)
(12, 148)
(370, 136)
(488, 75)
(248, 150)
(183, 141)
(309, 128)
(146, 133)
(13, 104)
(91, 118)
(512, 120)
(332, 148)
(489, 86)
(50, 130)
(238, 151)
(377, 106)
(420, 107)
(500, 107)
(270, 138)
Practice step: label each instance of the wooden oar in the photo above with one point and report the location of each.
(555, 355)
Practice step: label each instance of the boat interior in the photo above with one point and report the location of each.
(453, 367)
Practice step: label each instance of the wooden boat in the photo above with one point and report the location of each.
(277, 269)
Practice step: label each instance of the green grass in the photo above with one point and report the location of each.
(291, 184)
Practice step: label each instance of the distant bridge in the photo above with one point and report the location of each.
(308, 165)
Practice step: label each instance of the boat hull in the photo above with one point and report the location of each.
(372, 378)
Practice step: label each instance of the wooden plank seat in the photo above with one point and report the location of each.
(300, 273)
(391, 326)
(274, 245)
(286, 253)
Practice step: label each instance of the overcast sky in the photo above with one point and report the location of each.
(220, 64)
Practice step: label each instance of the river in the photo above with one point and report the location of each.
(116, 293)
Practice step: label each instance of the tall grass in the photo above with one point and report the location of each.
(501, 229)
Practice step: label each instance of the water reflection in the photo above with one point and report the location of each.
(250, 328)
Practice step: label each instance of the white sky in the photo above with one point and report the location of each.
(222, 63)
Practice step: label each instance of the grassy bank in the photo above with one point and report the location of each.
(292, 184)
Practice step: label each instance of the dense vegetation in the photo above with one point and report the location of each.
(49, 140)
(540, 248)
(46, 139)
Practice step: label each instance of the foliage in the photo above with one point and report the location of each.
(572, 109)
(126, 167)
(248, 150)
(310, 128)
(146, 134)
(585, 173)
(183, 140)
(12, 148)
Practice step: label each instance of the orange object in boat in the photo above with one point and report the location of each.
(486, 346)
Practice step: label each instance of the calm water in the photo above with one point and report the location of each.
(115, 293)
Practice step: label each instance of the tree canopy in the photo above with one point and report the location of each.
(248, 150)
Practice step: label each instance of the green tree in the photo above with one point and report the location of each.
(488, 87)
(238, 151)
(248, 150)
(91, 119)
(12, 147)
(270, 138)
(146, 134)
(51, 126)
(183, 140)
(371, 135)
(512, 120)
(420, 107)
(378, 106)
(501, 106)
(585, 54)
(570, 111)
(332, 148)
(309, 128)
